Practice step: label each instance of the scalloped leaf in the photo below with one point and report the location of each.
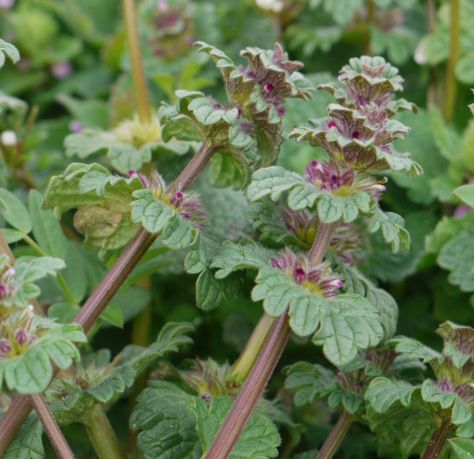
(102, 202)
(273, 181)
(260, 438)
(349, 323)
(392, 227)
(309, 381)
(163, 406)
(156, 217)
(382, 393)
(235, 257)
(458, 342)
(414, 349)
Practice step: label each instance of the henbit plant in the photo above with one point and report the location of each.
(305, 255)
(300, 290)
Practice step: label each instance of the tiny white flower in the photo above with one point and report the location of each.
(9, 138)
(271, 5)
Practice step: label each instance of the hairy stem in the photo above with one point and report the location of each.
(100, 298)
(102, 435)
(438, 440)
(451, 82)
(59, 443)
(261, 372)
(251, 391)
(138, 72)
(336, 436)
(241, 368)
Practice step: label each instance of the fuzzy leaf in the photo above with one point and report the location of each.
(457, 257)
(156, 217)
(115, 379)
(102, 203)
(259, 440)
(348, 323)
(382, 393)
(309, 381)
(236, 257)
(458, 342)
(193, 425)
(28, 443)
(392, 229)
(414, 349)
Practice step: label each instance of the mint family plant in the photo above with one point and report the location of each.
(249, 227)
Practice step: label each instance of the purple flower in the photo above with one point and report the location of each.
(75, 126)
(461, 210)
(327, 177)
(317, 279)
(61, 70)
(5, 347)
(7, 4)
(143, 179)
(21, 337)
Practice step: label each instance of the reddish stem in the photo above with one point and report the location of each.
(438, 440)
(336, 436)
(258, 378)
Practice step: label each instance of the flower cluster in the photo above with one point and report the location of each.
(342, 181)
(18, 330)
(359, 131)
(317, 279)
(188, 204)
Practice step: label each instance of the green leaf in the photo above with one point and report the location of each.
(156, 217)
(457, 256)
(275, 180)
(466, 194)
(8, 50)
(28, 443)
(176, 425)
(46, 229)
(382, 393)
(309, 381)
(458, 340)
(414, 349)
(165, 416)
(344, 324)
(212, 292)
(235, 257)
(106, 382)
(392, 229)
(463, 448)
(12, 235)
(102, 201)
(349, 323)
(28, 270)
(14, 211)
(432, 393)
(259, 440)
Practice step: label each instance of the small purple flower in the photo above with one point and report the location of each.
(461, 210)
(61, 70)
(143, 179)
(445, 386)
(317, 279)
(5, 347)
(7, 4)
(327, 177)
(75, 126)
(21, 337)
